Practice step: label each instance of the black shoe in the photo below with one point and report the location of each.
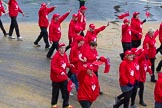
(114, 106)
(153, 80)
(5, 35)
(49, 58)
(37, 45)
(142, 103)
(101, 93)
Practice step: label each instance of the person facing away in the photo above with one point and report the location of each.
(43, 24)
(1, 24)
(14, 9)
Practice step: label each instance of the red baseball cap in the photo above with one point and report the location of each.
(61, 45)
(90, 66)
(128, 52)
(56, 15)
(78, 29)
(135, 14)
(43, 5)
(75, 15)
(80, 38)
(125, 20)
(92, 26)
(83, 8)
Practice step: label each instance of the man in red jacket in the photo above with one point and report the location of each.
(71, 31)
(59, 77)
(1, 25)
(82, 18)
(92, 33)
(55, 31)
(88, 86)
(43, 24)
(136, 26)
(14, 9)
(158, 92)
(149, 46)
(126, 79)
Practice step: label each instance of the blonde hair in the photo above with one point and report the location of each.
(151, 30)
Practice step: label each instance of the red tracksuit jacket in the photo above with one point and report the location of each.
(151, 44)
(1, 8)
(136, 26)
(71, 30)
(88, 86)
(82, 20)
(126, 73)
(160, 33)
(43, 16)
(158, 89)
(55, 28)
(59, 64)
(126, 33)
(92, 36)
(145, 66)
(13, 8)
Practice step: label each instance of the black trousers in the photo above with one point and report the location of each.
(152, 60)
(141, 91)
(56, 86)
(43, 34)
(158, 68)
(124, 99)
(82, 3)
(14, 25)
(159, 49)
(2, 28)
(67, 47)
(51, 50)
(134, 93)
(136, 43)
(126, 46)
(85, 104)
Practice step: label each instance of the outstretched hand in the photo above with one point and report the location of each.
(23, 14)
(108, 23)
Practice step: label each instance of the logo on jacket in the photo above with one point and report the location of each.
(63, 65)
(93, 87)
(132, 72)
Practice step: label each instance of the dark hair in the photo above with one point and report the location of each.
(93, 43)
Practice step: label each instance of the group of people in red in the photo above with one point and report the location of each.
(83, 61)
(13, 9)
(136, 62)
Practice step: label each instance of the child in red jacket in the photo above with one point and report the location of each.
(88, 86)
(55, 31)
(14, 9)
(158, 92)
(43, 24)
(59, 77)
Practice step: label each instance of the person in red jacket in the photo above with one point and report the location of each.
(14, 9)
(1, 25)
(59, 77)
(136, 26)
(160, 39)
(71, 31)
(82, 18)
(92, 33)
(43, 24)
(126, 79)
(158, 92)
(55, 31)
(126, 37)
(88, 86)
(149, 46)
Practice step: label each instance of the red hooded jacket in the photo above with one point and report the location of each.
(13, 8)
(158, 89)
(160, 33)
(71, 30)
(126, 73)
(92, 36)
(88, 86)
(151, 49)
(59, 64)
(43, 16)
(136, 26)
(1, 8)
(82, 20)
(126, 33)
(55, 28)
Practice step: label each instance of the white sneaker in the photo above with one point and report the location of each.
(19, 38)
(11, 37)
(134, 106)
(71, 94)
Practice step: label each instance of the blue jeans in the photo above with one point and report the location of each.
(158, 105)
(74, 80)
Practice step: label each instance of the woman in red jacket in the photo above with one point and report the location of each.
(14, 9)
(158, 92)
(1, 25)
(59, 77)
(55, 31)
(126, 79)
(88, 86)
(43, 24)
(149, 46)
(136, 26)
